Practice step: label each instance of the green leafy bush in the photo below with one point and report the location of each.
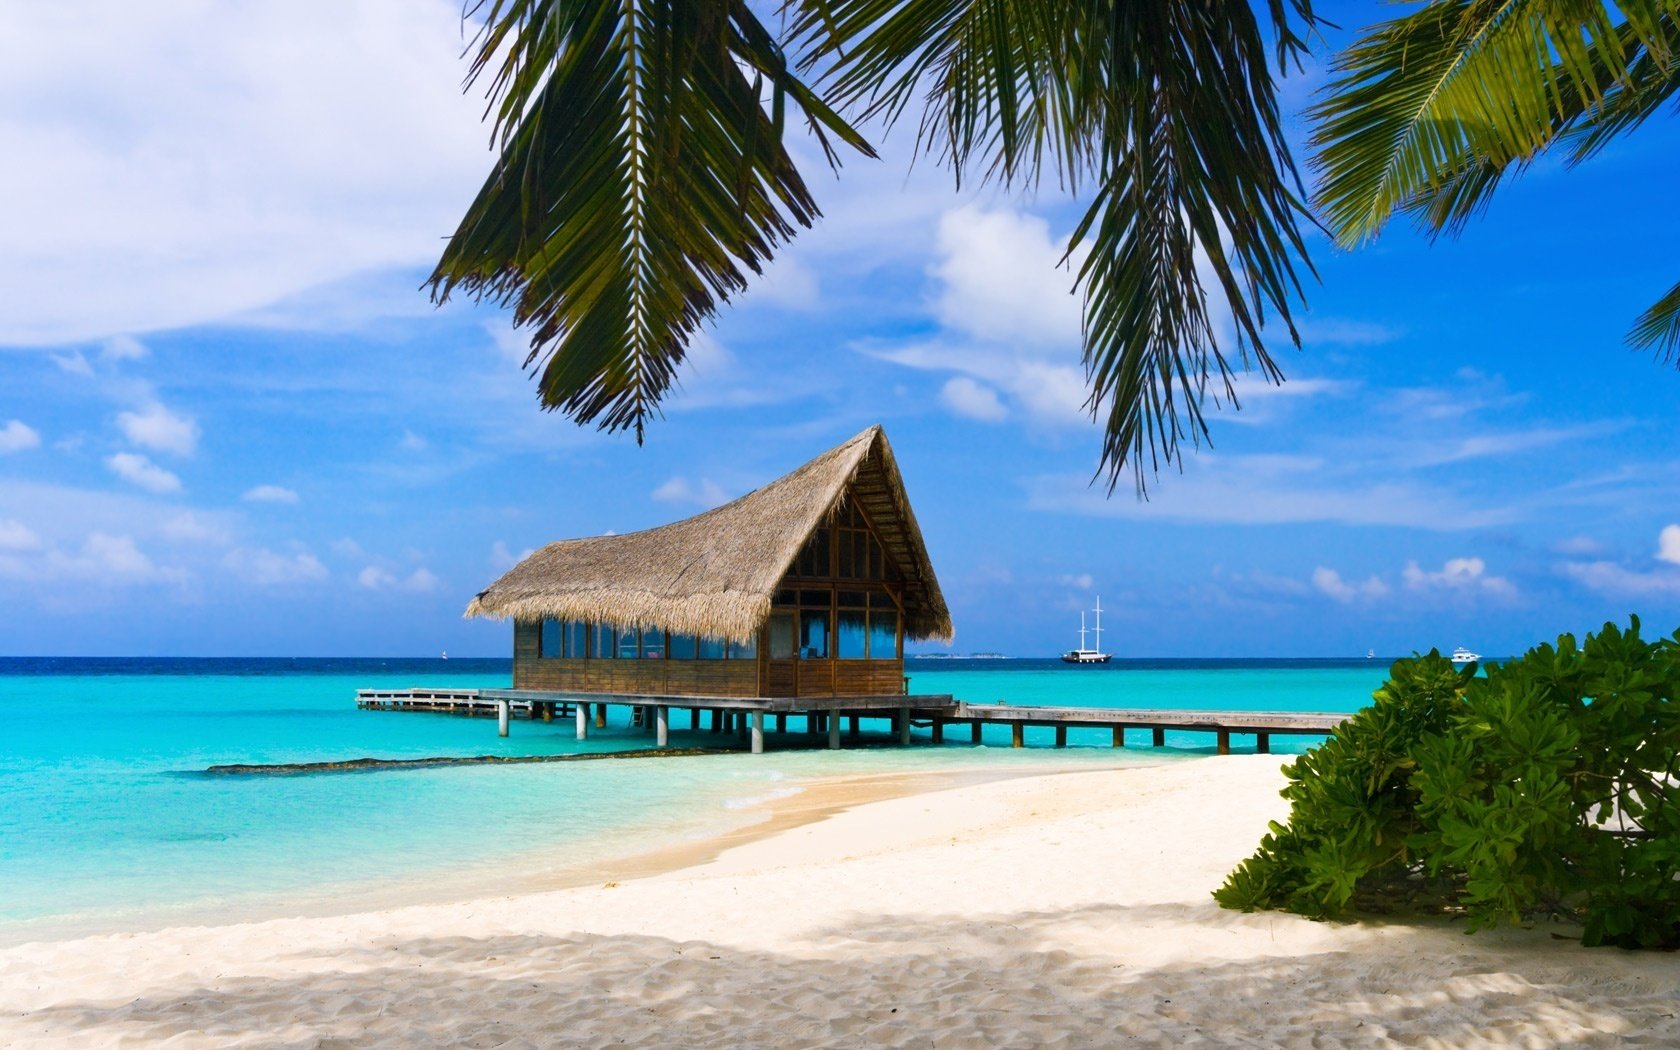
(1550, 786)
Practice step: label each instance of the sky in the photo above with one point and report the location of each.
(233, 423)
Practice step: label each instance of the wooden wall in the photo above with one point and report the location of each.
(701, 677)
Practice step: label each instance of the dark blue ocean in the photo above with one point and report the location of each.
(108, 821)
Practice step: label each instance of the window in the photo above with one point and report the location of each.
(627, 647)
(747, 650)
(781, 636)
(563, 638)
(851, 634)
(712, 648)
(813, 634)
(606, 642)
(653, 643)
(680, 647)
(883, 629)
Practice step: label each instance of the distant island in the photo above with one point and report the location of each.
(955, 656)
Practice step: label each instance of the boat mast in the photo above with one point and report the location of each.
(1099, 624)
(1082, 630)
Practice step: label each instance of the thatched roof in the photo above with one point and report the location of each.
(714, 574)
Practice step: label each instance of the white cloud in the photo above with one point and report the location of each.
(192, 528)
(706, 492)
(105, 559)
(135, 468)
(123, 348)
(419, 581)
(16, 536)
(15, 436)
(157, 428)
(268, 568)
(345, 547)
(966, 397)
(1082, 581)
(413, 442)
(73, 363)
(1668, 544)
(503, 559)
(1330, 582)
(151, 188)
(270, 494)
(1578, 545)
(1339, 331)
(1001, 280)
(1457, 574)
(1610, 578)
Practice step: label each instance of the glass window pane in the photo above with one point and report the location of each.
(577, 640)
(852, 599)
(627, 645)
(844, 569)
(787, 598)
(606, 642)
(548, 642)
(813, 634)
(815, 599)
(883, 635)
(781, 636)
(748, 650)
(819, 551)
(711, 648)
(653, 643)
(680, 647)
(849, 635)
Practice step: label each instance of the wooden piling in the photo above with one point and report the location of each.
(974, 729)
(758, 732)
(662, 719)
(834, 734)
(600, 716)
(583, 721)
(781, 723)
(1224, 741)
(938, 730)
(1017, 735)
(1061, 736)
(903, 726)
(502, 717)
(1119, 736)
(854, 729)
(1262, 743)
(1160, 736)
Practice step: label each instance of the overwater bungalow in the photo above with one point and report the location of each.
(805, 588)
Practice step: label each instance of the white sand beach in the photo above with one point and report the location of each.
(1052, 911)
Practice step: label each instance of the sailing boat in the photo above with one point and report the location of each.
(1083, 655)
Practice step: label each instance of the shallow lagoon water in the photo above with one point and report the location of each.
(108, 822)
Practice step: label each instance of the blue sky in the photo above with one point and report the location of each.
(231, 424)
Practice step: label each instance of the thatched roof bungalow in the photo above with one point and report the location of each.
(807, 586)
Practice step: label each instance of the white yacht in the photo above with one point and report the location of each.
(1462, 655)
(1083, 655)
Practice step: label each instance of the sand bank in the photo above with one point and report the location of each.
(1067, 910)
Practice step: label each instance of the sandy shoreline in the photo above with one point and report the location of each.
(1065, 910)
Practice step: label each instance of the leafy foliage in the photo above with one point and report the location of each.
(1548, 787)
(1431, 111)
(643, 170)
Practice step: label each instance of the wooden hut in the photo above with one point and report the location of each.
(806, 587)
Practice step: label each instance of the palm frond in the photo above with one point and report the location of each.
(1658, 328)
(638, 177)
(1165, 107)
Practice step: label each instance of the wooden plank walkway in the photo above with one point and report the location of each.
(746, 716)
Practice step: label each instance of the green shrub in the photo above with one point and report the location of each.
(1550, 786)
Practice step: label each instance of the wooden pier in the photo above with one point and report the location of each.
(747, 718)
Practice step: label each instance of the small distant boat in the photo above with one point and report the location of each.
(1370, 654)
(445, 655)
(1462, 655)
(1083, 655)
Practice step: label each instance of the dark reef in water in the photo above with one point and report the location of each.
(373, 765)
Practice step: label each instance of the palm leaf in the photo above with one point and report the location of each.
(1168, 109)
(1658, 328)
(638, 177)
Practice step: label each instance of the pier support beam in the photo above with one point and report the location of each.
(1119, 736)
(852, 727)
(938, 729)
(1160, 736)
(1262, 743)
(547, 712)
(502, 717)
(834, 733)
(1224, 741)
(903, 726)
(600, 715)
(662, 724)
(583, 721)
(758, 732)
(781, 723)
(974, 729)
(1061, 736)
(1017, 735)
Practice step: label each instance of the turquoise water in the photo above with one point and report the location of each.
(107, 821)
